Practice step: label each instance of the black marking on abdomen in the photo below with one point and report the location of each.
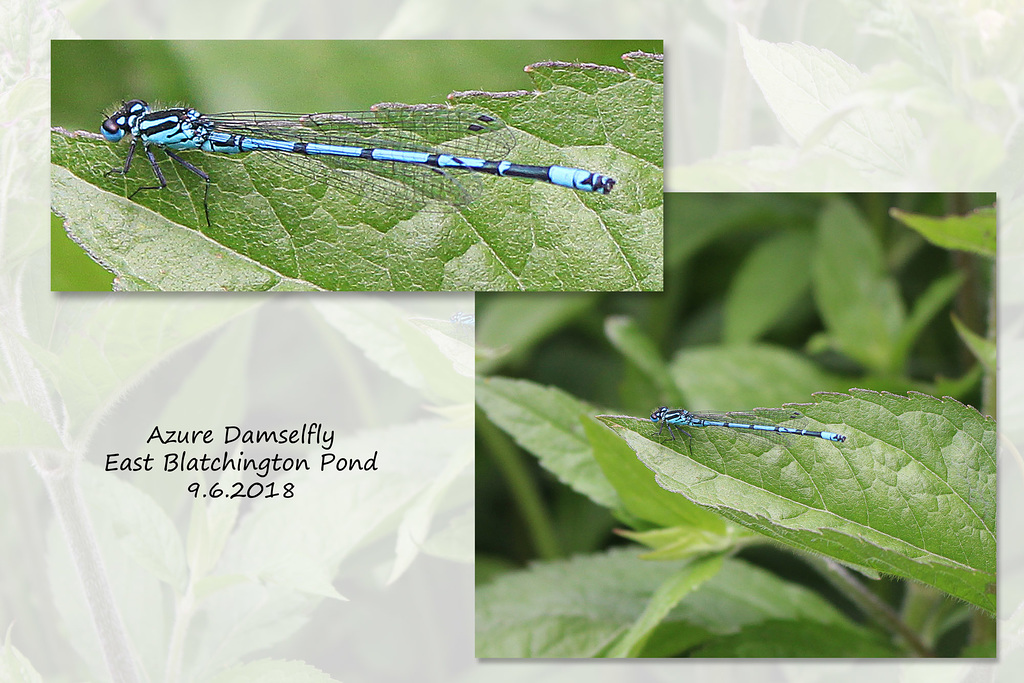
(526, 171)
(489, 167)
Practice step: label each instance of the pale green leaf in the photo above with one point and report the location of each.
(16, 667)
(814, 94)
(983, 349)
(546, 422)
(975, 232)
(22, 427)
(143, 529)
(580, 607)
(116, 344)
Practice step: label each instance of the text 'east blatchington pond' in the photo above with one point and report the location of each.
(310, 435)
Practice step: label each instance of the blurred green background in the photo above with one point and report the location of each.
(91, 78)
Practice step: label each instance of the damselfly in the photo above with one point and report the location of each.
(396, 154)
(678, 418)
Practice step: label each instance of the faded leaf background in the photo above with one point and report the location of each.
(374, 581)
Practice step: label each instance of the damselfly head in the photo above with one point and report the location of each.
(113, 127)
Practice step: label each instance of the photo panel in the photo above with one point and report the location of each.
(789, 453)
(400, 165)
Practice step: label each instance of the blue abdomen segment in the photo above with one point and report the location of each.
(578, 179)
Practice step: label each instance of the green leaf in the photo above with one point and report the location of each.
(580, 607)
(681, 542)
(668, 595)
(697, 220)
(983, 349)
(975, 232)
(859, 301)
(926, 306)
(546, 422)
(746, 376)
(640, 496)
(768, 285)
(145, 250)
(637, 347)
(272, 229)
(509, 330)
(910, 493)
(798, 639)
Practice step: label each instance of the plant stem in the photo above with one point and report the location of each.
(183, 613)
(868, 602)
(59, 474)
(524, 490)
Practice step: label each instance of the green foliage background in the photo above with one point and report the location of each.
(768, 299)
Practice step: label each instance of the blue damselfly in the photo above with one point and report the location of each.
(679, 418)
(396, 154)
